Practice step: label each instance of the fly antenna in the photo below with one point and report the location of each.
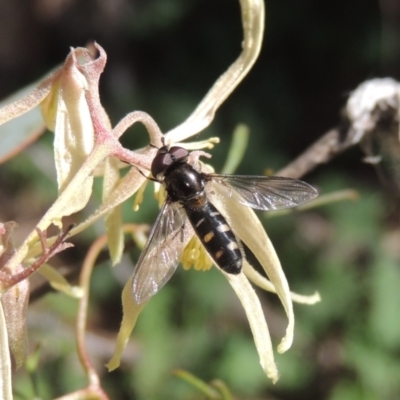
(156, 147)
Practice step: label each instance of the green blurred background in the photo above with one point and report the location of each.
(163, 55)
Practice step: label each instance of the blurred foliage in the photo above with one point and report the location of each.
(162, 58)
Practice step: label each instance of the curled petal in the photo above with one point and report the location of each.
(253, 15)
(262, 282)
(91, 69)
(258, 326)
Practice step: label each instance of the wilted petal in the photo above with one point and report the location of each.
(15, 304)
(75, 116)
(29, 101)
(73, 128)
(258, 326)
(19, 133)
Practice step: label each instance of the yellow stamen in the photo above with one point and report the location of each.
(202, 144)
(195, 255)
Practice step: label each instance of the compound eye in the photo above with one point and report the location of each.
(160, 163)
(178, 153)
(165, 157)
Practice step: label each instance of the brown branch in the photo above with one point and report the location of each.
(331, 144)
(7, 280)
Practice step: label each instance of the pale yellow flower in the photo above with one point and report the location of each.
(85, 144)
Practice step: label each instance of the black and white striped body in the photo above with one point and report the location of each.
(187, 186)
(216, 236)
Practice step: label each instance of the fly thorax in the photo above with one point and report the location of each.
(183, 182)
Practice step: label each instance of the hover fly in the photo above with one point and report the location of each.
(189, 198)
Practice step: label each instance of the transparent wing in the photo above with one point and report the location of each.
(160, 257)
(265, 192)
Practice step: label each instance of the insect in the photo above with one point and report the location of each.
(189, 198)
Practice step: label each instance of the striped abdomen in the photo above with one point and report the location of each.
(216, 236)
